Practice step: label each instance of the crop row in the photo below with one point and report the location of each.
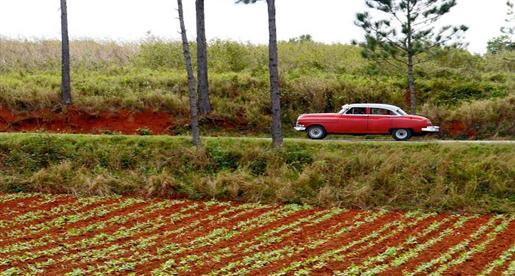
(55, 234)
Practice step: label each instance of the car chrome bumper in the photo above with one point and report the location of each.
(431, 129)
(300, 128)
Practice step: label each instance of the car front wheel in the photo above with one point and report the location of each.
(316, 132)
(401, 134)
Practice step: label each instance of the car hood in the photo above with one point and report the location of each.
(415, 117)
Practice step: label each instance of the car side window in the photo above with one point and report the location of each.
(357, 111)
(380, 111)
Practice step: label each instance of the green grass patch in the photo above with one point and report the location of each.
(468, 177)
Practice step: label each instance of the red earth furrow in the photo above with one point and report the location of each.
(331, 244)
(360, 247)
(424, 239)
(503, 268)
(478, 262)
(305, 233)
(66, 227)
(60, 232)
(57, 245)
(50, 217)
(242, 237)
(18, 204)
(437, 249)
(113, 229)
(148, 267)
(471, 245)
(41, 207)
(379, 248)
(213, 210)
(234, 216)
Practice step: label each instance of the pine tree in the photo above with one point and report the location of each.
(405, 29)
(509, 29)
(202, 68)
(195, 131)
(66, 96)
(277, 136)
(504, 42)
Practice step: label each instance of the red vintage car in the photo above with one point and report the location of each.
(363, 119)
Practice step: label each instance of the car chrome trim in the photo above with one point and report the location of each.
(431, 129)
(300, 128)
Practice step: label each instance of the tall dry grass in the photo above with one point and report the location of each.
(30, 55)
(444, 177)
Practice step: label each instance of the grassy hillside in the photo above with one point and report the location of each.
(367, 175)
(476, 93)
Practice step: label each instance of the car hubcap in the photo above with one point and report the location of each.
(315, 132)
(402, 133)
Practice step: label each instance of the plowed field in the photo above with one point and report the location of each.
(54, 235)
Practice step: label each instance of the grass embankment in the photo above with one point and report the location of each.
(366, 175)
(468, 95)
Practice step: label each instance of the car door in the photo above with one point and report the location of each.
(379, 121)
(354, 121)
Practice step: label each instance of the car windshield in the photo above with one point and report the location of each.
(344, 109)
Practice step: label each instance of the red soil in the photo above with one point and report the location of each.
(332, 244)
(456, 129)
(75, 120)
(421, 240)
(123, 121)
(44, 232)
(378, 248)
(305, 233)
(478, 262)
(64, 229)
(17, 206)
(109, 230)
(37, 206)
(232, 242)
(436, 250)
(203, 219)
(209, 211)
(229, 224)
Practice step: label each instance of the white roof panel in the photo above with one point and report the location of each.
(373, 105)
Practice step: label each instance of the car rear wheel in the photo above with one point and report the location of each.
(316, 132)
(401, 134)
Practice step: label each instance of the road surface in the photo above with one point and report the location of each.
(415, 141)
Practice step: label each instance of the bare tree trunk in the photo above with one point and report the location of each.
(277, 136)
(411, 75)
(195, 131)
(202, 68)
(66, 96)
(411, 84)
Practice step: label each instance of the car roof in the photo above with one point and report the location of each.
(372, 105)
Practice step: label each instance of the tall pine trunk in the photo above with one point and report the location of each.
(195, 131)
(202, 68)
(66, 96)
(411, 85)
(277, 136)
(411, 75)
